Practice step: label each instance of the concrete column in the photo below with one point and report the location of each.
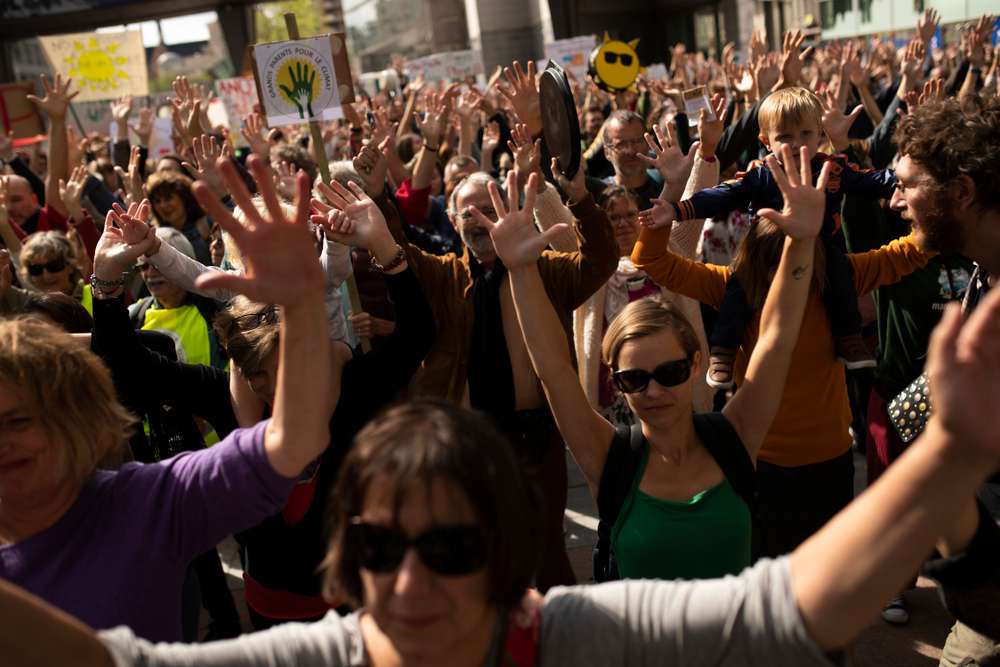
(514, 30)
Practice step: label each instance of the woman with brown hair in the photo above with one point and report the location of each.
(676, 489)
(434, 536)
(174, 206)
(113, 547)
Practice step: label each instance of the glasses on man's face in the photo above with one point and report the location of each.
(451, 550)
(55, 266)
(667, 374)
(611, 58)
(637, 143)
(488, 211)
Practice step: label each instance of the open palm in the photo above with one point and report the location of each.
(125, 238)
(802, 216)
(365, 223)
(515, 237)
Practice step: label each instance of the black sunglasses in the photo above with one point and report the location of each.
(611, 58)
(55, 266)
(667, 374)
(448, 550)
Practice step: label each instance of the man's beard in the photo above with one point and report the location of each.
(477, 240)
(941, 232)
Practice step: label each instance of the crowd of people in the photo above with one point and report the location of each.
(370, 380)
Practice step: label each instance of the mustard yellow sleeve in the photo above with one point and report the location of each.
(702, 282)
(888, 264)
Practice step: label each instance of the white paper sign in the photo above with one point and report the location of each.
(656, 71)
(298, 81)
(447, 66)
(161, 140)
(238, 94)
(571, 54)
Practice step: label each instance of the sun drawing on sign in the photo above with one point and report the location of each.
(96, 68)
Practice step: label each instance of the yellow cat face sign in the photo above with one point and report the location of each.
(614, 64)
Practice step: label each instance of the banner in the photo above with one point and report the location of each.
(571, 54)
(103, 66)
(447, 66)
(302, 80)
(17, 114)
(238, 94)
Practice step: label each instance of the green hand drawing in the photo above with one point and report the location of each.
(301, 92)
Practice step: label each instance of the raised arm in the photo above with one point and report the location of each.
(54, 105)
(519, 245)
(752, 409)
(282, 268)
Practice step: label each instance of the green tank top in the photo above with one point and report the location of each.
(705, 537)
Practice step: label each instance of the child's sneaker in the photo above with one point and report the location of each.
(853, 353)
(720, 368)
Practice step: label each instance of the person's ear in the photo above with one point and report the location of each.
(963, 191)
(696, 362)
(764, 140)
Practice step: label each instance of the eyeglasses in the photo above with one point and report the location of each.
(451, 551)
(611, 58)
(667, 374)
(638, 142)
(55, 266)
(142, 267)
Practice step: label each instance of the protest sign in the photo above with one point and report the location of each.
(302, 80)
(238, 94)
(571, 54)
(447, 66)
(17, 114)
(103, 66)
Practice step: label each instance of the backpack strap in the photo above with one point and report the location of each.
(620, 468)
(724, 444)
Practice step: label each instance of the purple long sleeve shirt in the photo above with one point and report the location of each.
(119, 554)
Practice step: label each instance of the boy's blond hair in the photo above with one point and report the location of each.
(788, 107)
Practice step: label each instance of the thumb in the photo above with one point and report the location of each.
(550, 234)
(857, 110)
(220, 280)
(777, 217)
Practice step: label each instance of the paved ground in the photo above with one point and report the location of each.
(917, 644)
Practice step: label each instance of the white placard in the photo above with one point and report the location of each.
(298, 81)
(238, 94)
(103, 65)
(447, 66)
(571, 54)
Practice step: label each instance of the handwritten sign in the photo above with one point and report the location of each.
(238, 94)
(447, 66)
(571, 54)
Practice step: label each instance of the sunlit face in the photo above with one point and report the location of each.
(927, 208)
(623, 212)
(169, 208)
(30, 465)
(50, 281)
(426, 616)
(21, 200)
(794, 136)
(169, 294)
(264, 380)
(169, 164)
(622, 143)
(474, 235)
(656, 405)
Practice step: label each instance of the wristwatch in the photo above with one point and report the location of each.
(107, 286)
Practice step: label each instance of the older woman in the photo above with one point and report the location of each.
(113, 547)
(174, 206)
(50, 262)
(434, 537)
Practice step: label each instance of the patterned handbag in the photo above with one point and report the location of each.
(911, 408)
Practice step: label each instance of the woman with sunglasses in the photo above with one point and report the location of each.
(49, 264)
(682, 513)
(434, 538)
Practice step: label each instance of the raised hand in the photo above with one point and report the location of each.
(674, 166)
(527, 155)
(434, 121)
(515, 237)
(353, 218)
(71, 190)
(135, 189)
(144, 128)
(710, 130)
(467, 104)
(371, 163)
(301, 91)
(278, 250)
(963, 360)
(575, 189)
(912, 63)
(837, 124)
(253, 131)
(284, 176)
(927, 25)
(522, 93)
(933, 92)
(121, 109)
(491, 137)
(207, 152)
(766, 73)
(805, 203)
(126, 236)
(57, 98)
(791, 58)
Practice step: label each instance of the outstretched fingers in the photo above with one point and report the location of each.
(220, 214)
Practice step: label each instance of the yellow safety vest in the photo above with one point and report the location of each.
(189, 331)
(87, 299)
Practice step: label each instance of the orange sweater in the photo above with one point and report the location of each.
(812, 422)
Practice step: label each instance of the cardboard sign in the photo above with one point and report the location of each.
(103, 66)
(571, 54)
(447, 66)
(657, 71)
(303, 80)
(161, 141)
(17, 114)
(238, 94)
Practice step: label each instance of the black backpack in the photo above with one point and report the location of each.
(622, 464)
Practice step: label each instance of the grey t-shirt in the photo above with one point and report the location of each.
(749, 620)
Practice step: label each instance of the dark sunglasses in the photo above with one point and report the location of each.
(667, 374)
(447, 550)
(611, 58)
(55, 266)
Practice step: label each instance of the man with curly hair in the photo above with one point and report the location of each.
(949, 189)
